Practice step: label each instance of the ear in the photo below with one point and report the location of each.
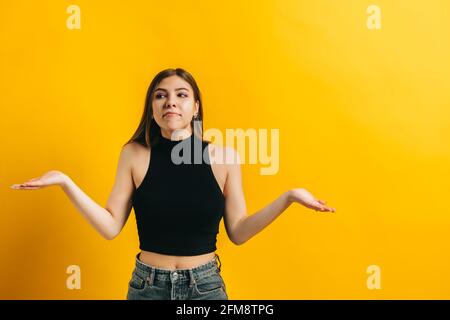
(197, 106)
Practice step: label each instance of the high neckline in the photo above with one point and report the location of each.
(173, 142)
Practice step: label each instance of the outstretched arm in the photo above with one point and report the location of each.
(108, 221)
(240, 226)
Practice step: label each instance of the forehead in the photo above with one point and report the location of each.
(174, 82)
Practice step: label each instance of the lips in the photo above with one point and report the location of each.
(171, 113)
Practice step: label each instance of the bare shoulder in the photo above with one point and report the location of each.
(129, 150)
(133, 152)
(224, 154)
(134, 147)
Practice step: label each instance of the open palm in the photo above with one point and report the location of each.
(49, 178)
(305, 198)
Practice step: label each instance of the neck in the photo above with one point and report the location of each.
(176, 135)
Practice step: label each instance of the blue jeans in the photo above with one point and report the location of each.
(203, 282)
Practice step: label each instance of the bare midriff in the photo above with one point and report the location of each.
(168, 262)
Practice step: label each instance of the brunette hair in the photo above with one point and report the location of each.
(148, 132)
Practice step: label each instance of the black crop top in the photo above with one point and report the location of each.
(178, 207)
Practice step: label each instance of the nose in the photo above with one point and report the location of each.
(170, 102)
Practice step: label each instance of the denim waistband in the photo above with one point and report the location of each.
(151, 273)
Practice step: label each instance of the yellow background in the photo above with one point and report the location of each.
(364, 124)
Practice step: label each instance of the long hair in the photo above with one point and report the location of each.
(148, 132)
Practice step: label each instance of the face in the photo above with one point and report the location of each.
(174, 105)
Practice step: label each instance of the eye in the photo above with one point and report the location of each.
(159, 95)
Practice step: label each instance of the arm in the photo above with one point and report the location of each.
(249, 226)
(240, 226)
(100, 218)
(108, 221)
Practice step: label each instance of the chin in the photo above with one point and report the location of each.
(175, 127)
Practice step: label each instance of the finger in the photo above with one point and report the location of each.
(319, 207)
(325, 209)
(22, 186)
(28, 188)
(32, 184)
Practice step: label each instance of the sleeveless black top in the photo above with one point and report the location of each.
(179, 204)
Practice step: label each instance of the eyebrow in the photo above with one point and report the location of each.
(166, 90)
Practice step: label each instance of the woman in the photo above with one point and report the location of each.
(178, 204)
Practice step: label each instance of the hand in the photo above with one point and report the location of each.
(305, 198)
(50, 178)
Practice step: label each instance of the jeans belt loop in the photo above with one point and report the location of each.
(192, 278)
(151, 277)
